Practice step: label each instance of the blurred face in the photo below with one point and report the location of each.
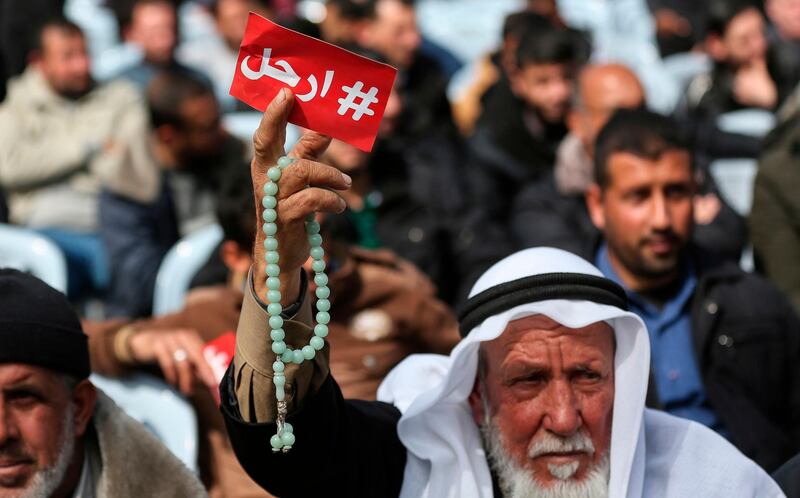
(154, 28)
(391, 115)
(645, 211)
(393, 33)
(546, 88)
(202, 136)
(545, 404)
(231, 18)
(603, 91)
(345, 157)
(64, 62)
(785, 15)
(40, 421)
(744, 41)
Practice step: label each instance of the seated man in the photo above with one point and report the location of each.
(145, 211)
(59, 436)
(726, 344)
(60, 136)
(552, 373)
(552, 211)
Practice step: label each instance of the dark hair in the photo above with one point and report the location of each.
(236, 211)
(267, 4)
(354, 9)
(518, 23)
(722, 12)
(547, 45)
(167, 93)
(60, 23)
(639, 132)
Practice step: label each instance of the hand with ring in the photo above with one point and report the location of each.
(179, 354)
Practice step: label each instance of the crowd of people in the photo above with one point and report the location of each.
(537, 283)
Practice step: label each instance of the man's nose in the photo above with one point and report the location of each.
(562, 415)
(7, 425)
(660, 218)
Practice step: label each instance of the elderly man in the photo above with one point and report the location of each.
(544, 397)
(59, 436)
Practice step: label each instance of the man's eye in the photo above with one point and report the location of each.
(22, 396)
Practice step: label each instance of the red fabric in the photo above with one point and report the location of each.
(337, 93)
(219, 353)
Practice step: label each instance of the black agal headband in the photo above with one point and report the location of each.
(543, 287)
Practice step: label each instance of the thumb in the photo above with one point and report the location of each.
(270, 136)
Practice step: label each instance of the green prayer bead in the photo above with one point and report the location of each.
(269, 215)
(323, 317)
(278, 367)
(273, 283)
(309, 352)
(323, 305)
(274, 308)
(317, 343)
(271, 188)
(271, 244)
(273, 270)
(315, 240)
(287, 356)
(274, 174)
(276, 442)
(312, 227)
(321, 330)
(279, 347)
(275, 322)
(285, 161)
(297, 356)
(269, 202)
(279, 380)
(271, 257)
(279, 393)
(317, 252)
(287, 438)
(318, 266)
(322, 292)
(320, 279)
(274, 296)
(277, 334)
(287, 427)
(270, 229)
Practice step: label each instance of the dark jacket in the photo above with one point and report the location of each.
(788, 477)
(426, 109)
(775, 217)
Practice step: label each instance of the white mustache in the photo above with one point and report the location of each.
(549, 443)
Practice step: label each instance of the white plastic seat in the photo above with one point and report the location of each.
(180, 265)
(158, 407)
(27, 251)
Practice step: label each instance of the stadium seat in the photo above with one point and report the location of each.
(30, 252)
(180, 265)
(158, 407)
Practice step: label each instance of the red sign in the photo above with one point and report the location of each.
(219, 353)
(337, 93)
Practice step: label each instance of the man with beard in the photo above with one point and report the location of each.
(59, 436)
(145, 211)
(60, 135)
(726, 343)
(552, 367)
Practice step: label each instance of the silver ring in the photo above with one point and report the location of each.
(179, 355)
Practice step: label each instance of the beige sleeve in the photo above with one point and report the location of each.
(254, 357)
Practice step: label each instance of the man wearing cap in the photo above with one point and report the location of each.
(59, 436)
(544, 396)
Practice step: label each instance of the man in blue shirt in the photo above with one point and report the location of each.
(725, 344)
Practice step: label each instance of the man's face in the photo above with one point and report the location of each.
(393, 33)
(546, 88)
(231, 17)
(345, 157)
(743, 41)
(549, 393)
(154, 28)
(39, 424)
(64, 62)
(645, 211)
(785, 15)
(202, 135)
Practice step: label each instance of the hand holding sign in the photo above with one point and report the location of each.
(340, 94)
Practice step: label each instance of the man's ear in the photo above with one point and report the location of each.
(84, 398)
(594, 203)
(715, 48)
(235, 259)
(516, 81)
(475, 400)
(574, 123)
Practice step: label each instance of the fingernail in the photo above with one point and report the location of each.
(282, 96)
(347, 180)
(342, 204)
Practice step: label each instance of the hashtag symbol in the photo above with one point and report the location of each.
(354, 92)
